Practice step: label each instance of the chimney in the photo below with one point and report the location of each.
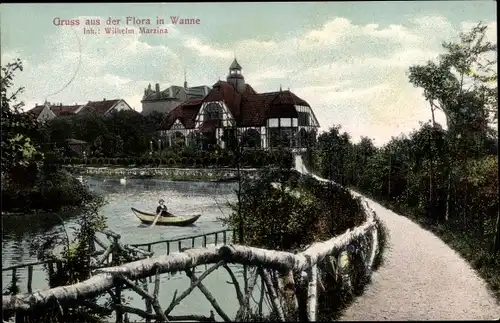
(104, 99)
(158, 90)
(170, 92)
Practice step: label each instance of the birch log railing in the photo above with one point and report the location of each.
(171, 245)
(291, 282)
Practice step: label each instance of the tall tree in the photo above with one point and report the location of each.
(460, 85)
(18, 150)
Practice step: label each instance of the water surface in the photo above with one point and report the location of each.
(208, 198)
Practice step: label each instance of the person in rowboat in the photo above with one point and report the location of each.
(162, 208)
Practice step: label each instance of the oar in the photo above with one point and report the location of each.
(155, 220)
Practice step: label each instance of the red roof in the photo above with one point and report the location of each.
(36, 110)
(186, 113)
(248, 108)
(100, 107)
(64, 110)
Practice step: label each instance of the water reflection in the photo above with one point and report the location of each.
(208, 198)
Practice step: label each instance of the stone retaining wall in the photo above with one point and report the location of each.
(167, 173)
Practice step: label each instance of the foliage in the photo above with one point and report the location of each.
(444, 178)
(463, 78)
(293, 213)
(47, 190)
(73, 266)
(120, 134)
(18, 149)
(252, 158)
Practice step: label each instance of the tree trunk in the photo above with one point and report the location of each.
(496, 241)
(389, 184)
(430, 204)
(448, 198)
(433, 117)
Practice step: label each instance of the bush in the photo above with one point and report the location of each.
(171, 162)
(51, 191)
(93, 161)
(220, 161)
(300, 220)
(157, 162)
(184, 161)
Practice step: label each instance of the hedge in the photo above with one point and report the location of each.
(252, 159)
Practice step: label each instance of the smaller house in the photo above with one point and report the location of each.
(78, 147)
(104, 107)
(65, 110)
(42, 112)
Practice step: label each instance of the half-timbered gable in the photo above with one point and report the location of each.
(233, 110)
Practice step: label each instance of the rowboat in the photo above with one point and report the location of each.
(179, 221)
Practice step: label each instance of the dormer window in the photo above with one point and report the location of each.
(213, 111)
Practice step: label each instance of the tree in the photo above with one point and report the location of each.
(18, 150)
(465, 68)
(460, 85)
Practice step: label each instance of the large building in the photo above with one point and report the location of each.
(233, 110)
(166, 100)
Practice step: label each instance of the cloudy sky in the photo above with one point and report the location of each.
(348, 60)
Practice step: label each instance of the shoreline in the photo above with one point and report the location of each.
(167, 173)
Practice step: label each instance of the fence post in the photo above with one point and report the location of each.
(30, 277)
(14, 278)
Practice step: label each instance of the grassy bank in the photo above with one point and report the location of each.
(318, 213)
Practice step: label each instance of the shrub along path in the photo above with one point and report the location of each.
(421, 278)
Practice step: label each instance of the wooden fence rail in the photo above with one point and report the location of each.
(305, 270)
(192, 238)
(226, 236)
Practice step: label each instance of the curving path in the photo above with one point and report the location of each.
(421, 278)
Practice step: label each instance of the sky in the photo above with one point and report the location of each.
(348, 60)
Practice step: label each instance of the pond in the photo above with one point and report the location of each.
(208, 198)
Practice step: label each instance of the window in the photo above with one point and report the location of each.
(213, 111)
(303, 119)
(272, 122)
(285, 122)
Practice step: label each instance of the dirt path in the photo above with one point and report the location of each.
(421, 279)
